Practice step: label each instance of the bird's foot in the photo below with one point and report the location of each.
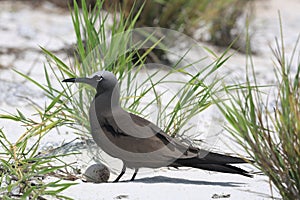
(116, 180)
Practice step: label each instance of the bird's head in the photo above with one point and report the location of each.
(102, 81)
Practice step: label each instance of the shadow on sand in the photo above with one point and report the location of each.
(164, 179)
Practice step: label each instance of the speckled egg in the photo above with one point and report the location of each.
(97, 173)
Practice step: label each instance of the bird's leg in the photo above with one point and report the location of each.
(134, 174)
(121, 174)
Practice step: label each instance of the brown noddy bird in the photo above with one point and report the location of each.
(138, 142)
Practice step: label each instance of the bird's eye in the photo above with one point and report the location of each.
(99, 78)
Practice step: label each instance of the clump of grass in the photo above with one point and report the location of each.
(117, 51)
(223, 17)
(22, 167)
(220, 16)
(271, 137)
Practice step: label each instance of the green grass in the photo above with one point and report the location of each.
(93, 54)
(220, 17)
(271, 137)
(22, 167)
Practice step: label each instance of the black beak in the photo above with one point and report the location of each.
(72, 80)
(89, 81)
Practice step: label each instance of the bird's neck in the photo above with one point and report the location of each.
(107, 101)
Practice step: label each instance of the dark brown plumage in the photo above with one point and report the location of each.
(138, 142)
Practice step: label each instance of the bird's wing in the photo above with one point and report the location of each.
(188, 151)
(137, 134)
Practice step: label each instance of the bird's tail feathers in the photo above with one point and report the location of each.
(223, 168)
(214, 162)
(205, 157)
